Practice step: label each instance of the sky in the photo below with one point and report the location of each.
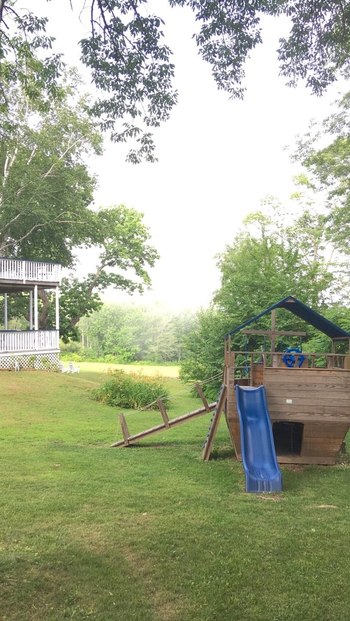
(217, 158)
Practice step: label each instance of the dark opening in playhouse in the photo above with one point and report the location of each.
(288, 437)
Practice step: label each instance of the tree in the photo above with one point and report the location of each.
(325, 154)
(45, 186)
(133, 333)
(271, 259)
(204, 361)
(132, 66)
(46, 192)
(267, 261)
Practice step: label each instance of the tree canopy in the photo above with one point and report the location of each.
(269, 259)
(46, 193)
(132, 66)
(324, 153)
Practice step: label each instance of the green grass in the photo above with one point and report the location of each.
(151, 533)
(143, 369)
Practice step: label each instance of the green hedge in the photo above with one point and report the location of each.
(131, 390)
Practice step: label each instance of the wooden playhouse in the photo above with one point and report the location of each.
(308, 394)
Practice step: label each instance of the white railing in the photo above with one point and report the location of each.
(28, 341)
(29, 271)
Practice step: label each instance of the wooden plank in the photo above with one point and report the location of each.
(304, 393)
(310, 411)
(198, 388)
(125, 430)
(185, 417)
(214, 423)
(306, 375)
(163, 412)
(172, 422)
(311, 406)
(273, 333)
(305, 419)
(306, 460)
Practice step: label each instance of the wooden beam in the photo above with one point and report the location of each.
(125, 430)
(274, 333)
(172, 423)
(163, 412)
(202, 396)
(273, 330)
(214, 423)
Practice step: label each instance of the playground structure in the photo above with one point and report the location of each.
(280, 406)
(308, 401)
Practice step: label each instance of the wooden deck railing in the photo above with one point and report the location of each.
(28, 341)
(244, 364)
(29, 271)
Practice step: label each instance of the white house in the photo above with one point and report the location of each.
(30, 348)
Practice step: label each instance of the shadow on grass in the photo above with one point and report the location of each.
(298, 479)
(224, 453)
(166, 444)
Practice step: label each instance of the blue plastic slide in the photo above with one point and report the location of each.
(258, 450)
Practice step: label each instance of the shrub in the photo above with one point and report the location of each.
(131, 391)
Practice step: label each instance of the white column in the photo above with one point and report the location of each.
(36, 313)
(31, 310)
(57, 300)
(5, 312)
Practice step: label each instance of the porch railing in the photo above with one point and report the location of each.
(28, 341)
(29, 271)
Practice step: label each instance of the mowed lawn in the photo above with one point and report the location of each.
(151, 533)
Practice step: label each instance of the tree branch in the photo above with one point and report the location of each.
(36, 226)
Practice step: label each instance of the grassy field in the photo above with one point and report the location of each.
(104, 367)
(151, 533)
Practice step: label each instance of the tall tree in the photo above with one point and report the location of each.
(268, 260)
(325, 154)
(46, 191)
(132, 65)
(271, 259)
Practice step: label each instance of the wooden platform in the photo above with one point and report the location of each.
(318, 400)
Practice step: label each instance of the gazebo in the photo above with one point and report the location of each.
(31, 347)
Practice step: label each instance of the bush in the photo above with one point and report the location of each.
(131, 391)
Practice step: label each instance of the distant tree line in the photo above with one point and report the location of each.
(127, 333)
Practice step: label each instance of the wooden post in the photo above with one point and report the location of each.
(5, 312)
(163, 412)
(31, 323)
(214, 423)
(273, 330)
(124, 428)
(251, 370)
(273, 338)
(202, 396)
(36, 312)
(57, 307)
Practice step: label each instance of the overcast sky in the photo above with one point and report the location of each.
(218, 158)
